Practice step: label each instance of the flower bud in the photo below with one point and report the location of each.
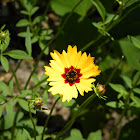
(38, 103)
(2, 35)
(100, 88)
(60, 95)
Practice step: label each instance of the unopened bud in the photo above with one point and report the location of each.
(38, 103)
(100, 88)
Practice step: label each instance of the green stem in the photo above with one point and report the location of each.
(110, 26)
(124, 111)
(47, 8)
(56, 35)
(113, 72)
(14, 123)
(31, 117)
(70, 123)
(16, 69)
(46, 122)
(18, 87)
(42, 81)
(91, 43)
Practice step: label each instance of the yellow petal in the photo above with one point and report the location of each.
(51, 72)
(85, 61)
(58, 57)
(85, 85)
(66, 90)
(56, 66)
(90, 73)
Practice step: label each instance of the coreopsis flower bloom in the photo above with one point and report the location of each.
(71, 72)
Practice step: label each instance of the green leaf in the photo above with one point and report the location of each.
(24, 12)
(22, 22)
(136, 90)
(3, 87)
(5, 63)
(42, 46)
(27, 134)
(28, 41)
(135, 41)
(35, 78)
(37, 19)
(62, 7)
(99, 6)
(34, 9)
(1, 108)
(136, 78)
(11, 86)
(23, 104)
(34, 39)
(24, 93)
(18, 54)
(9, 117)
(97, 135)
(127, 80)
(76, 132)
(131, 53)
(118, 88)
(136, 100)
(112, 104)
(2, 97)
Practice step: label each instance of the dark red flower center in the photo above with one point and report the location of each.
(71, 75)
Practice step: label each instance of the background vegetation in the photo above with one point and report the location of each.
(108, 29)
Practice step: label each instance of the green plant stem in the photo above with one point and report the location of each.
(47, 8)
(31, 117)
(46, 122)
(110, 26)
(113, 72)
(16, 69)
(70, 123)
(18, 87)
(14, 123)
(124, 111)
(42, 81)
(56, 35)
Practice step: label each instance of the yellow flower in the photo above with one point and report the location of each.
(71, 72)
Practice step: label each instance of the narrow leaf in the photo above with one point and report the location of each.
(5, 63)
(1, 108)
(28, 41)
(127, 80)
(95, 135)
(118, 88)
(23, 104)
(34, 10)
(3, 87)
(18, 54)
(2, 97)
(27, 134)
(11, 86)
(135, 41)
(22, 22)
(99, 6)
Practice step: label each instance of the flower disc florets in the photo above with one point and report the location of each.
(71, 72)
(72, 75)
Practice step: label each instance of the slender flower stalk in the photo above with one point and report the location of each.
(17, 83)
(70, 123)
(31, 117)
(46, 122)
